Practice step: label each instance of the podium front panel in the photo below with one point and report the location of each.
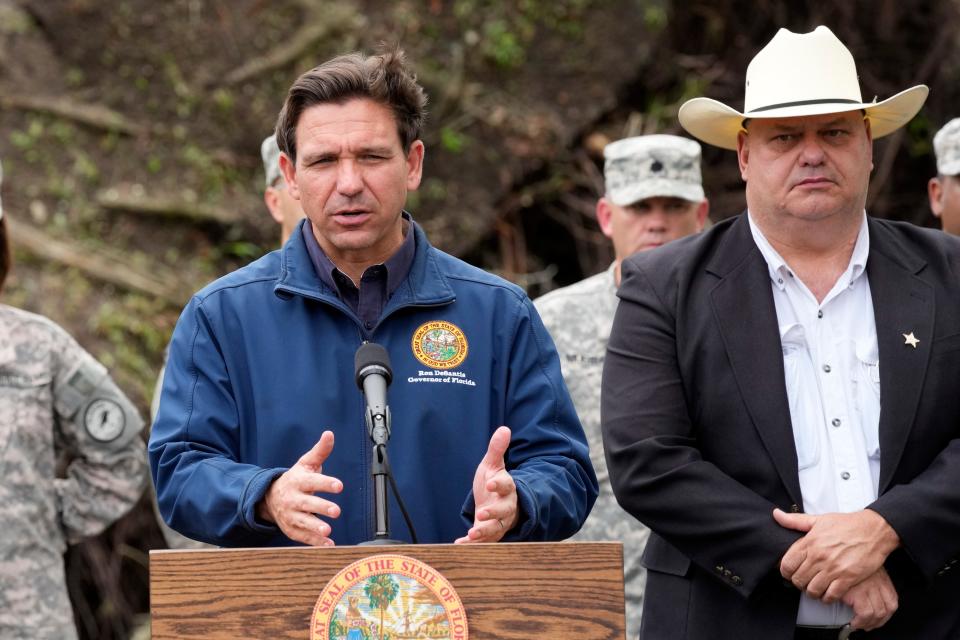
(558, 591)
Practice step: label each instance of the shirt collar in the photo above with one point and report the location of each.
(397, 265)
(780, 270)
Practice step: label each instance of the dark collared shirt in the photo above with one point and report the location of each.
(378, 281)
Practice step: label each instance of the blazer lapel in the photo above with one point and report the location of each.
(902, 304)
(747, 318)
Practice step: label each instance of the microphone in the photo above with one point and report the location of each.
(373, 375)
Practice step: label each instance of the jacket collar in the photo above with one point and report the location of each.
(425, 284)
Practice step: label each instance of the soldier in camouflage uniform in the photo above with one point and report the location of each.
(944, 189)
(653, 195)
(56, 402)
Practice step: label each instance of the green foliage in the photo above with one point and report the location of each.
(655, 17)
(919, 138)
(212, 175)
(502, 45)
(135, 328)
(452, 140)
(63, 132)
(28, 141)
(14, 20)
(75, 77)
(223, 100)
(243, 250)
(508, 28)
(84, 167)
(434, 189)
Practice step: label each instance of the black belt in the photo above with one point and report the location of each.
(825, 633)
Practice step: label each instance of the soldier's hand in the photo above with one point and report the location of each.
(494, 494)
(291, 503)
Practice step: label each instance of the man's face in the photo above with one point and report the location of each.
(352, 177)
(649, 223)
(807, 168)
(284, 208)
(944, 194)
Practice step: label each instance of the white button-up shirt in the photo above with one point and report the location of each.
(831, 365)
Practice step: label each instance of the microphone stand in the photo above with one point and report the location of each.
(378, 426)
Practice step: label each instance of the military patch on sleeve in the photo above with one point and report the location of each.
(84, 380)
(439, 344)
(74, 388)
(104, 420)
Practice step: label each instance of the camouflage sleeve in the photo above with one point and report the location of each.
(98, 429)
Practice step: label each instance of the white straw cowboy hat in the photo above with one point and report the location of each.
(799, 74)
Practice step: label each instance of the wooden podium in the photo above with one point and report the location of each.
(555, 591)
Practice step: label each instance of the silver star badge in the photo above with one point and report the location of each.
(910, 339)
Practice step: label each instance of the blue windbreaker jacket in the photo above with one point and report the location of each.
(262, 362)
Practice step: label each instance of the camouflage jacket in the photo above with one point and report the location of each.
(56, 404)
(579, 318)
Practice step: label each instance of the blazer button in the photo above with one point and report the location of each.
(794, 508)
(737, 580)
(719, 568)
(727, 573)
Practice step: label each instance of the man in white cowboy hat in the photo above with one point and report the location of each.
(746, 371)
(944, 189)
(653, 195)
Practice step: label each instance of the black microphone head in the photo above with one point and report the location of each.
(371, 358)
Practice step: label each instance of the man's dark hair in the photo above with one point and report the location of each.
(4, 252)
(383, 78)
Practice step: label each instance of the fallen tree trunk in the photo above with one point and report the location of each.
(335, 18)
(113, 271)
(115, 200)
(91, 115)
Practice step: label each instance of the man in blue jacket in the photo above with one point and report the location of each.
(260, 376)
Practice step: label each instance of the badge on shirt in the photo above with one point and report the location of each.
(439, 344)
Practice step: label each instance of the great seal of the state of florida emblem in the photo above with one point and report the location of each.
(388, 596)
(439, 344)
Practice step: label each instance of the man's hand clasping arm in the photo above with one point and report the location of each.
(837, 551)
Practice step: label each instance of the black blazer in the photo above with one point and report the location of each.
(700, 447)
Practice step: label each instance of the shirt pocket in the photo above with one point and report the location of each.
(26, 415)
(865, 381)
(801, 383)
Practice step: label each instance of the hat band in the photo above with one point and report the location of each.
(801, 103)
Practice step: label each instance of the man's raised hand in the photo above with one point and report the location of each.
(290, 502)
(494, 494)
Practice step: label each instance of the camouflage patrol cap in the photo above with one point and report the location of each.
(270, 153)
(946, 145)
(652, 166)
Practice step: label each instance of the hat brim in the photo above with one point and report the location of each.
(715, 123)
